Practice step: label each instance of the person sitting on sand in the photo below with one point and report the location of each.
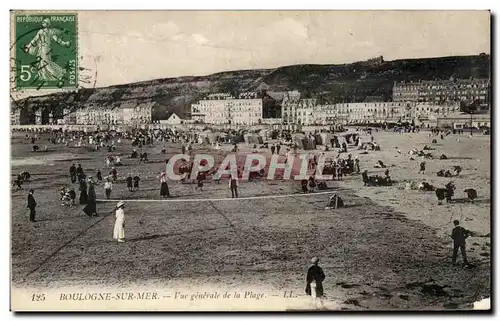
(322, 185)
(335, 202)
(457, 170)
(17, 184)
(380, 164)
(422, 168)
(312, 183)
(364, 176)
(303, 184)
(144, 158)
(424, 186)
(99, 176)
(20, 177)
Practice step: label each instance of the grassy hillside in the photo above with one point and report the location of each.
(329, 83)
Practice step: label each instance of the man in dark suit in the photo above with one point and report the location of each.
(233, 185)
(314, 285)
(72, 173)
(459, 234)
(31, 205)
(79, 172)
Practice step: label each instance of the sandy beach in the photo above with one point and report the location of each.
(388, 249)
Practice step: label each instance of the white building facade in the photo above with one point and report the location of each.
(174, 119)
(223, 108)
(378, 112)
(136, 114)
(443, 92)
(289, 107)
(305, 111)
(15, 116)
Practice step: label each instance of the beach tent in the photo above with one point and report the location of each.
(322, 138)
(309, 143)
(208, 137)
(253, 139)
(304, 142)
(336, 141)
(350, 136)
(265, 134)
(319, 139)
(299, 140)
(236, 138)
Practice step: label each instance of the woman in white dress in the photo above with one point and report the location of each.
(119, 231)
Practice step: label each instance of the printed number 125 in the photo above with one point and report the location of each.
(38, 297)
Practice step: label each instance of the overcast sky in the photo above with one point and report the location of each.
(129, 46)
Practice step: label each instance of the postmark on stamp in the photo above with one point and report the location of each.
(46, 51)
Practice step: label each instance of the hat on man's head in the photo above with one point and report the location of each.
(314, 260)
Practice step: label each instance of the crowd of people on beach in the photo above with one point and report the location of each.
(339, 166)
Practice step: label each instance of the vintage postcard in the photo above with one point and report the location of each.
(250, 160)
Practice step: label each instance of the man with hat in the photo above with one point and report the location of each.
(136, 180)
(119, 229)
(108, 186)
(72, 173)
(114, 173)
(315, 278)
(233, 186)
(32, 205)
(459, 234)
(129, 182)
(79, 172)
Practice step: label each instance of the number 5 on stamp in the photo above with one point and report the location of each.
(46, 51)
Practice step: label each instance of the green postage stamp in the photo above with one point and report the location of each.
(46, 50)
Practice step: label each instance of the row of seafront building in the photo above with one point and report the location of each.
(443, 91)
(223, 108)
(131, 114)
(423, 102)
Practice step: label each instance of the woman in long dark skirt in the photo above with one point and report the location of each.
(164, 187)
(91, 205)
(83, 192)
